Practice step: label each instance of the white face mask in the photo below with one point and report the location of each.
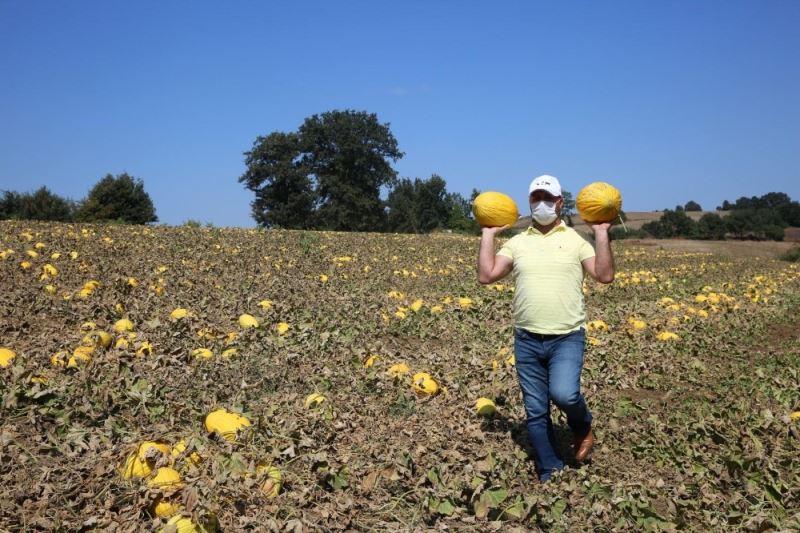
(543, 212)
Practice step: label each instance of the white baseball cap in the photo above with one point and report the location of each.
(545, 183)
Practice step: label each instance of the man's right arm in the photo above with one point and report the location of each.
(491, 267)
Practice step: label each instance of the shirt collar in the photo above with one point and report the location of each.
(533, 231)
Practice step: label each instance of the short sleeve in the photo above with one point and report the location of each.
(507, 250)
(586, 250)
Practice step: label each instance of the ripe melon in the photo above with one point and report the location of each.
(225, 423)
(493, 209)
(313, 400)
(248, 321)
(6, 356)
(485, 407)
(424, 384)
(165, 477)
(599, 202)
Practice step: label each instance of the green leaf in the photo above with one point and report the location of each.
(558, 508)
(517, 510)
(493, 498)
(433, 476)
(446, 507)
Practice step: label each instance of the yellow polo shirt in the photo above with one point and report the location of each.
(548, 297)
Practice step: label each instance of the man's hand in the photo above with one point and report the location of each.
(599, 226)
(493, 231)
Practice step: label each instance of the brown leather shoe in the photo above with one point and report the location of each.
(583, 446)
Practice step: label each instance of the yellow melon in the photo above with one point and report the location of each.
(226, 423)
(123, 325)
(141, 462)
(165, 507)
(178, 313)
(424, 384)
(182, 525)
(248, 321)
(485, 407)
(165, 477)
(313, 400)
(97, 338)
(180, 448)
(599, 202)
(6, 356)
(493, 209)
(398, 370)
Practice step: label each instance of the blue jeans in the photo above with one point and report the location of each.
(549, 368)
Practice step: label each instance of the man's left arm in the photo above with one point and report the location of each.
(601, 266)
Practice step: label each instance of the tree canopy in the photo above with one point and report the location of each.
(420, 206)
(328, 174)
(763, 217)
(117, 198)
(39, 205)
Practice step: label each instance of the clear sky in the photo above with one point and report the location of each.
(670, 101)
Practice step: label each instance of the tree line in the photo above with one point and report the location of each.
(331, 174)
(118, 198)
(335, 173)
(757, 218)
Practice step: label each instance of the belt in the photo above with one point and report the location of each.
(547, 336)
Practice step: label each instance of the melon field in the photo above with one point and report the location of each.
(343, 371)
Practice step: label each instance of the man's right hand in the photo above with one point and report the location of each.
(493, 231)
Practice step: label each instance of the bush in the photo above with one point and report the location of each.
(792, 255)
(711, 226)
(672, 224)
(617, 233)
(121, 198)
(41, 205)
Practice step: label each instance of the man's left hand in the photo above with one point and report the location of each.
(599, 226)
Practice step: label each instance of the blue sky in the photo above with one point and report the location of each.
(669, 101)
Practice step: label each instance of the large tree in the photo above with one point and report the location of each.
(117, 198)
(328, 174)
(278, 177)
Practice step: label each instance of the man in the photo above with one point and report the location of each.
(549, 261)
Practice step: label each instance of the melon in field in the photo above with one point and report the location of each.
(494, 209)
(424, 384)
(141, 462)
(400, 369)
(599, 202)
(485, 407)
(123, 325)
(180, 448)
(248, 321)
(225, 423)
(165, 477)
(313, 399)
(6, 356)
(273, 482)
(165, 507)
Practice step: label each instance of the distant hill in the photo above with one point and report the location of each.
(635, 219)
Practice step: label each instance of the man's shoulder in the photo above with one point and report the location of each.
(515, 239)
(572, 234)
